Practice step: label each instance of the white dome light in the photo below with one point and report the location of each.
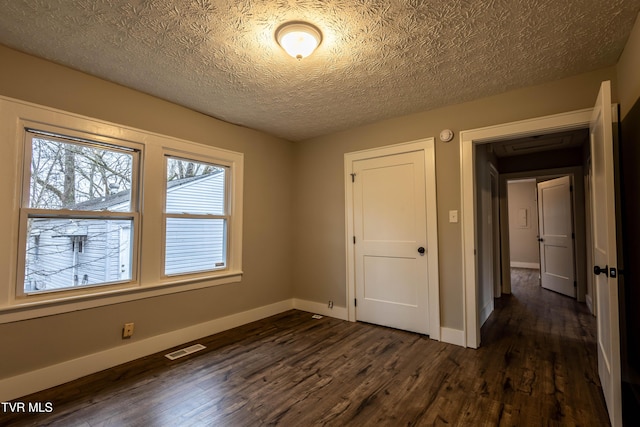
(298, 39)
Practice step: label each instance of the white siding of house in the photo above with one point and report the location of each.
(101, 254)
(99, 259)
(49, 259)
(121, 207)
(92, 259)
(202, 196)
(194, 244)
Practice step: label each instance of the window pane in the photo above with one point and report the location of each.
(77, 176)
(194, 245)
(195, 188)
(64, 253)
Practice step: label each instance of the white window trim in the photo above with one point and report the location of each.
(25, 212)
(228, 199)
(149, 280)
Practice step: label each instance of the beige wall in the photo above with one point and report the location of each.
(31, 344)
(628, 69)
(318, 199)
(523, 240)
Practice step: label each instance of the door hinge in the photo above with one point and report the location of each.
(353, 177)
(354, 240)
(355, 302)
(573, 235)
(571, 188)
(575, 284)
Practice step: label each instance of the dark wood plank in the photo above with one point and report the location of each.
(536, 366)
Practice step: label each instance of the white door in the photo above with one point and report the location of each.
(390, 230)
(604, 252)
(555, 236)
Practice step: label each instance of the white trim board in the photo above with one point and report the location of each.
(320, 308)
(452, 336)
(468, 140)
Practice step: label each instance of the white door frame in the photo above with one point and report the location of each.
(468, 140)
(425, 145)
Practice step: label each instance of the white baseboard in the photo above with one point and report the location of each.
(320, 308)
(486, 312)
(51, 376)
(532, 265)
(452, 336)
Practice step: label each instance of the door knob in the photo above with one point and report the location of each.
(540, 239)
(597, 270)
(421, 250)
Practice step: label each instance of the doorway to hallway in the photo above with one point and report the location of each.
(602, 201)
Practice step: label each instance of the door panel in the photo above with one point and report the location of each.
(380, 272)
(555, 219)
(604, 252)
(388, 200)
(390, 226)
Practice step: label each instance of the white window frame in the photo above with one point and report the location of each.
(172, 154)
(57, 134)
(147, 272)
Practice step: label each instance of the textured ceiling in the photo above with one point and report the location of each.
(378, 59)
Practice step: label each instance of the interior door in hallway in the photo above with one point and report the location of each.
(557, 271)
(604, 252)
(390, 241)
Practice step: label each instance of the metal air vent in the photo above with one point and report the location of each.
(184, 351)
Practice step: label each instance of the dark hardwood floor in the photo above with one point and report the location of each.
(536, 366)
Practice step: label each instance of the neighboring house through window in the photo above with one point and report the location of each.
(196, 217)
(78, 203)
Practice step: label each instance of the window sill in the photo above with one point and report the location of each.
(25, 309)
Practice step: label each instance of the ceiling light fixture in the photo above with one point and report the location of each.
(298, 39)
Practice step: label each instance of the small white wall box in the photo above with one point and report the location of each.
(523, 218)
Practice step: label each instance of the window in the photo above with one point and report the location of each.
(196, 217)
(78, 213)
(95, 213)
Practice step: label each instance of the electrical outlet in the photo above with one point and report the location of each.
(127, 330)
(330, 305)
